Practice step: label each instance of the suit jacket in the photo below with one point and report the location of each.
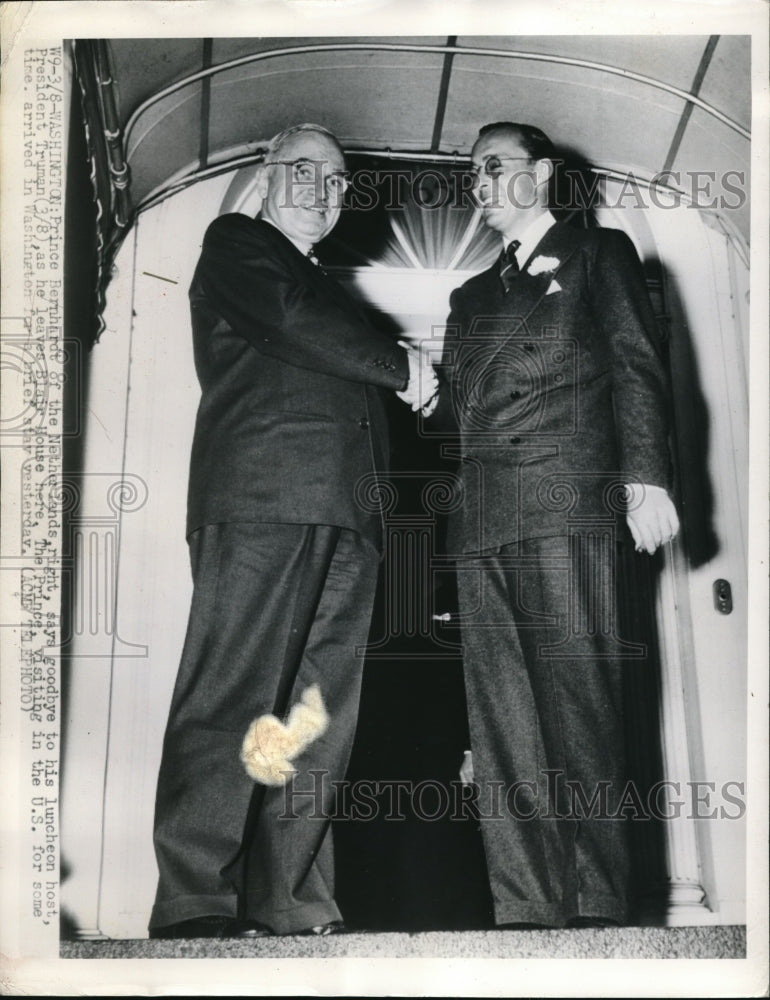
(557, 389)
(291, 414)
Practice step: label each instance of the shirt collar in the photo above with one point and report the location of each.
(531, 235)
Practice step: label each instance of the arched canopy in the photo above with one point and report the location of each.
(163, 113)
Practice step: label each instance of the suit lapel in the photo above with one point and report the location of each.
(314, 275)
(331, 287)
(559, 243)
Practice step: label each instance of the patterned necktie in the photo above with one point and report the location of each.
(509, 266)
(314, 260)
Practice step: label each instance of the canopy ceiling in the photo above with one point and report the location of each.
(162, 113)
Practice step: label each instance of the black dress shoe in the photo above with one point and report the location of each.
(251, 929)
(196, 927)
(582, 922)
(523, 927)
(324, 930)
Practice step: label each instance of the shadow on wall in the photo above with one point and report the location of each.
(576, 193)
(691, 423)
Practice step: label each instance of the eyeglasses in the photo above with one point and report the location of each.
(493, 165)
(306, 172)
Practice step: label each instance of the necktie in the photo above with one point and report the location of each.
(509, 266)
(314, 260)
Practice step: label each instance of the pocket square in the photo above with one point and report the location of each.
(553, 287)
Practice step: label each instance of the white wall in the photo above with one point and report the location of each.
(143, 398)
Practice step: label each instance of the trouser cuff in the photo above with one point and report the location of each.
(298, 918)
(173, 911)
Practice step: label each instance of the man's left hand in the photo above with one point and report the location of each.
(652, 517)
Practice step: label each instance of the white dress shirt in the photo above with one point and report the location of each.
(530, 237)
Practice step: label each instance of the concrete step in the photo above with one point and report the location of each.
(615, 942)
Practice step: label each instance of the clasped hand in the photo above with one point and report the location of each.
(652, 517)
(423, 383)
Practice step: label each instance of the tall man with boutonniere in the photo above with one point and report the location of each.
(551, 373)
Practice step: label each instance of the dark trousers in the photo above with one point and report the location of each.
(543, 669)
(276, 608)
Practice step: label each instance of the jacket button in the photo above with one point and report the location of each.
(515, 440)
(363, 423)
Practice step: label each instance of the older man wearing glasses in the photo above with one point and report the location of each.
(284, 554)
(553, 376)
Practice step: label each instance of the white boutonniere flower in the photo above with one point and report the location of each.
(543, 265)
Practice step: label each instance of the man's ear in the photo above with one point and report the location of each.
(261, 179)
(543, 171)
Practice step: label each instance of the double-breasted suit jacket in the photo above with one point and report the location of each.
(291, 415)
(557, 388)
(559, 394)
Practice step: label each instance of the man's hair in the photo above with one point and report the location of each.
(278, 141)
(533, 140)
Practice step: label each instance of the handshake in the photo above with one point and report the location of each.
(421, 392)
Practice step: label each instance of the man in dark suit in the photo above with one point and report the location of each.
(284, 545)
(554, 379)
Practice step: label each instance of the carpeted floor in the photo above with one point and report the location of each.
(625, 942)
